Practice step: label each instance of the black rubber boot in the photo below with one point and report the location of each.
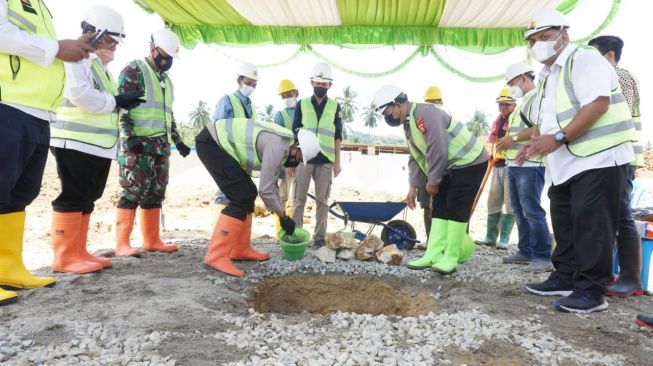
(629, 282)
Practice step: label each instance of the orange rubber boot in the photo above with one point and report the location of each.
(124, 226)
(65, 242)
(224, 238)
(243, 250)
(83, 236)
(150, 219)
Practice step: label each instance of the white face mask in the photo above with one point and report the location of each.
(290, 102)
(246, 90)
(516, 92)
(544, 50)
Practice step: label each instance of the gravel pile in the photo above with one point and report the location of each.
(353, 339)
(91, 344)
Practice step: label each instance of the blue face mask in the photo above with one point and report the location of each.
(393, 122)
(163, 63)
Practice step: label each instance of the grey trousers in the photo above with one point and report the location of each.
(322, 176)
(499, 195)
(284, 189)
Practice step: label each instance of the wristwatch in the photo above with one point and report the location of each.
(561, 137)
(514, 138)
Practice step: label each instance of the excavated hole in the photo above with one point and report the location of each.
(331, 293)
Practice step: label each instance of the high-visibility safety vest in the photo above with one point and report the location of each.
(613, 128)
(154, 117)
(74, 123)
(21, 81)
(517, 125)
(325, 128)
(237, 107)
(462, 147)
(237, 137)
(287, 121)
(637, 146)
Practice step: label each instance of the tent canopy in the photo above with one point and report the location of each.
(480, 25)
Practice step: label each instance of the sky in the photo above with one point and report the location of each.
(205, 73)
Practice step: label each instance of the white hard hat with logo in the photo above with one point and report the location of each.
(249, 71)
(386, 95)
(514, 70)
(544, 19)
(166, 40)
(103, 18)
(322, 73)
(308, 144)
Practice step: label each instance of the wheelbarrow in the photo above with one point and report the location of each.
(397, 232)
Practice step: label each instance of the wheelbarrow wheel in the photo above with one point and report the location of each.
(388, 237)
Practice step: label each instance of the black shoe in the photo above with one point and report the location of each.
(550, 287)
(645, 320)
(582, 302)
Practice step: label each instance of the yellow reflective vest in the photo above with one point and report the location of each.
(74, 123)
(154, 117)
(23, 82)
(325, 128)
(237, 107)
(518, 125)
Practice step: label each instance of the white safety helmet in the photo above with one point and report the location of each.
(103, 18)
(514, 70)
(386, 95)
(166, 40)
(322, 73)
(249, 71)
(544, 19)
(308, 144)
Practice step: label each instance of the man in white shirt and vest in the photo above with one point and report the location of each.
(321, 115)
(584, 133)
(84, 140)
(231, 149)
(32, 81)
(526, 181)
(284, 118)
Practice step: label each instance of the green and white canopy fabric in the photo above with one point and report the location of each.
(480, 24)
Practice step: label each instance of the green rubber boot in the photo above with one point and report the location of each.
(455, 238)
(505, 228)
(434, 247)
(467, 249)
(492, 230)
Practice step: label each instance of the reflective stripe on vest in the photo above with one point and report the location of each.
(154, 117)
(462, 146)
(287, 121)
(325, 128)
(517, 125)
(237, 137)
(23, 82)
(238, 109)
(637, 146)
(76, 124)
(613, 128)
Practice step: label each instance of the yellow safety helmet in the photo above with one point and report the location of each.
(505, 97)
(286, 85)
(432, 93)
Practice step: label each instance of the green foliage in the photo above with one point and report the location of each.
(199, 116)
(349, 108)
(357, 137)
(267, 114)
(371, 117)
(479, 124)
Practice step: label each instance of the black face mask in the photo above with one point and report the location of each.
(320, 91)
(393, 122)
(291, 161)
(163, 63)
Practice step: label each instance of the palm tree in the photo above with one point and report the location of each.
(267, 115)
(349, 107)
(478, 125)
(199, 116)
(371, 116)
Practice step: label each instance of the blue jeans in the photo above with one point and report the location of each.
(526, 184)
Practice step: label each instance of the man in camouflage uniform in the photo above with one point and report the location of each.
(145, 134)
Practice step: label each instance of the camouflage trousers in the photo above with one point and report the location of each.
(144, 177)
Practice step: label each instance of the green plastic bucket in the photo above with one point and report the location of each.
(293, 252)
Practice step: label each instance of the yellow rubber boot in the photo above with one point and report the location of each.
(434, 247)
(150, 220)
(12, 269)
(455, 238)
(7, 297)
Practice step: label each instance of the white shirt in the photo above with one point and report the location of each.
(527, 164)
(80, 90)
(592, 77)
(39, 50)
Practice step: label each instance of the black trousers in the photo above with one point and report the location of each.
(456, 193)
(585, 218)
(83, 178)
(232, 180)
(627, 226)
(24, 141)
